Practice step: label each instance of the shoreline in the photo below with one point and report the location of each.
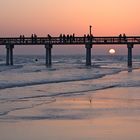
(29, 84)
(111, 115)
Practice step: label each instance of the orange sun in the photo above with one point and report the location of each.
(112, 51)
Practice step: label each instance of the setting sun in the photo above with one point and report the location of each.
(112, 51)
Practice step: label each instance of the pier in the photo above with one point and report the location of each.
(49, 42)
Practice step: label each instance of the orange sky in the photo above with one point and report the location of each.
(108, 17)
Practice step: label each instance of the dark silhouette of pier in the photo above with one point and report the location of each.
(88, 40)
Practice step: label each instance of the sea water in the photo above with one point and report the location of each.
(29, 83)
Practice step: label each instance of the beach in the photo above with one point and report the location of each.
(102, 103)
(113, 114)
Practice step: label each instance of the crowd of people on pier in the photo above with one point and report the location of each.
(66, 38)
(33, 38)
(69, 38)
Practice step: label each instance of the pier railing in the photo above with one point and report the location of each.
(65, 41)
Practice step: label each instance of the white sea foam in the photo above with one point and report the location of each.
(27, 72)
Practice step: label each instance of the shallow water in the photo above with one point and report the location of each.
(29, 83)
(69, 100)
(112, 114)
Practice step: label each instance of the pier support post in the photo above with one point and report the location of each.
(48, 54)
(88, 54)
(129, 46)
(9, 54)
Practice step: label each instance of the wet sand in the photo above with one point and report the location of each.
(111, 114)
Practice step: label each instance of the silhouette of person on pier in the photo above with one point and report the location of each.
(120, 37)
(88, 37)
(68, 38)
(73, 37)
(85, 38)
(49, 37)
(64, 38)
(124, 37)
(60, 37)
(22, 38)
(34, 38)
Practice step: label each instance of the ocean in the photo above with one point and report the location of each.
(29, 83)
(69, 100)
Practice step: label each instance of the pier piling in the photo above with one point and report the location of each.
(48, 54)
(129, 46)
(9, 54)
(88, 54)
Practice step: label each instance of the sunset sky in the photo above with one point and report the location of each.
(108, 17)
